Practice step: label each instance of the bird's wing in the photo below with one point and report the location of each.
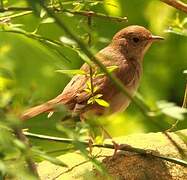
(76, 84)
(101, 83)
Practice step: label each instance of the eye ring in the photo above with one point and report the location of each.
(135, 39)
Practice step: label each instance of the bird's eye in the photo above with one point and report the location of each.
(135, 39)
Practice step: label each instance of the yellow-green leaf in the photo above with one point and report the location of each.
(47, 20)
(102, 102)
(112, 68)
(97, 96)
(91, 100)
(71, 71)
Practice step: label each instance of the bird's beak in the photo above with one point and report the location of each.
(156, 38)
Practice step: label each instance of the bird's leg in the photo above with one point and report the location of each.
(116, 148)
(90, 145)
(116, 145)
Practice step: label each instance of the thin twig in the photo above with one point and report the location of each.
(31, 164)
(173, 126)
(179, 149)
(177, 4)
(123, 147)
(89, 21)
(60, 150)
(36, 37)
(2, 4)
(98, 15)
(71, 169)
(15, 9)
(2, 18)
(75, 166)
(60, 10)
(184, 105)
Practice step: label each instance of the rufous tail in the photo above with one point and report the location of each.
(49, 106)
(32, 112)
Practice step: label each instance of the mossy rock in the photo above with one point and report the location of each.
(125, 165)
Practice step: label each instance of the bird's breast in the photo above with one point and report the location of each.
(119, 102)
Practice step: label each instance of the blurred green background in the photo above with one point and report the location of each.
(27, 68)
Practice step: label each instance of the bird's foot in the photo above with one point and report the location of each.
(90, 146)
(116, 148)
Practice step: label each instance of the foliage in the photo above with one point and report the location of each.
(33, 47)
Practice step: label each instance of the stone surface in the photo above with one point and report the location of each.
(125, 165)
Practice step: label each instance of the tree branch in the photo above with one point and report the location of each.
(177, 4)
(123, 147)
(60, 10)
(94, 14)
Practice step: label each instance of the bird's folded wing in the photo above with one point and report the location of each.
(75, 92)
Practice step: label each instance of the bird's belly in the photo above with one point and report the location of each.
(118, 103)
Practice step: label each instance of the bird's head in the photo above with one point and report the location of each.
(134, 41)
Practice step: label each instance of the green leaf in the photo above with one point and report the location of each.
(170, 109)
(71, 71)
(177, 31)
(2, 168)
(95, 89)
(97, 96)
(112, 68)
(51, 159)
(84, 57)
(47, 20)
(99, 139)
(68, 41)
(42, 13)
(185, 72)
(77, 6)
(184, 21)
(20, 145)
(87, 90)
(102, 102)
(91, 100)
(95, 3)
(89, 85)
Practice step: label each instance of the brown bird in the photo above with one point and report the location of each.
(126, 52)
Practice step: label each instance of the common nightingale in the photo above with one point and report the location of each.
(126, 52)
